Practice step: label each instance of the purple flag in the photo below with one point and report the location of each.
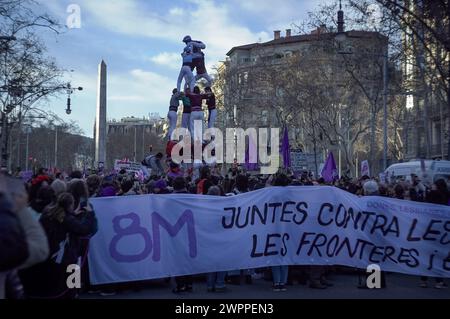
(286, 149)
(251, 160)
(329, 171)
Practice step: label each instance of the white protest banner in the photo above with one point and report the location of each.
(130, 167)
(365, 168)
(157, 236)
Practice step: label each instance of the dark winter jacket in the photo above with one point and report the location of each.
(13, 244)
(48, 279)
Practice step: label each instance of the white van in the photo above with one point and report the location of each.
(431, 172)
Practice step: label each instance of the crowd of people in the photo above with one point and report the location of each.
(46, 222)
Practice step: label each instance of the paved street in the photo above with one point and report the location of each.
(398, 286)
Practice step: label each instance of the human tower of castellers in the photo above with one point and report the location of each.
(192, 99)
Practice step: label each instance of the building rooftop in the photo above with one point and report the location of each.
(315, 35)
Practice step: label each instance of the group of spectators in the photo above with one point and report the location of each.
(46, 223)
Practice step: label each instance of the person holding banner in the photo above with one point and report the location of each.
(216, 280)
(280, 273)
(184, 283)
(438, 194)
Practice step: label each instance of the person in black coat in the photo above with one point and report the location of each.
(64, 226)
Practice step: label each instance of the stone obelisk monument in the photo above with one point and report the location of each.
(100, 119)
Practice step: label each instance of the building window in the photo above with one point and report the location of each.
(436, 133)
(264, 117)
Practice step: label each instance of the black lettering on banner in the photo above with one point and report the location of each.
(232, 217)
(380, 222)
(446, 263)
(410, 236)
(376, 250)
(389, 251)
(415, 258)
(254, 254)
(319, 241)
(407, 257)
(430, 231)
(303, 212)
(274, 211)
(238, 217)
(443, 240)
(270, 244)
(284, 249)
(286, 211)
(367, 215)
(257, 212)
(363, 243)
(321, 221)
(431, 260)
(351, 216)
(393, 227)
(334, 239)
(341, 221)
(346, 243)
(303, 241)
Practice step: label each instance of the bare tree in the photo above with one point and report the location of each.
(27, 74)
